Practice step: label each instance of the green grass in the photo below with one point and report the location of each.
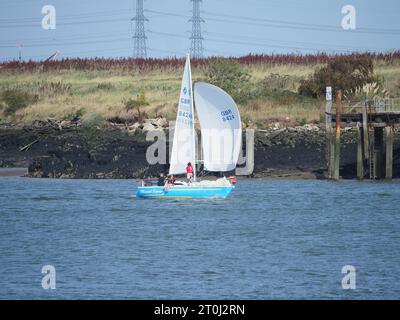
(63, 93)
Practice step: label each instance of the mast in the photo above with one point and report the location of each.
(192, 110)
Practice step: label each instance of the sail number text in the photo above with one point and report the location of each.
(227, 115)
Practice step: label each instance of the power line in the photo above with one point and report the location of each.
(168, 13)
(60, 23)
(250, 42)
(167, 51)
(68, 43)
(139, 38)
(64, 38)
(246, 43)
(69, 17)
(324, 45)
(313, 25)
(293, 25)
(196, 39)
(280, 23)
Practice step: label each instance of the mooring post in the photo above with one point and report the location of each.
(371, 152)
(379, 152)
(389, 152)
(331, 147)
(365, 130)
(360, 158)
(328, 131)
(337, 135)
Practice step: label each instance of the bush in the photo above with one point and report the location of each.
(132, 104)
(54, 88)
(276, 81)
(15, 99)
(302, 121)
(278, 96)
(230, 76)
(106, 86)
(342, 72)
(75, 114)
(92, 120)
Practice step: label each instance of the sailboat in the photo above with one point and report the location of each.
(221, 136)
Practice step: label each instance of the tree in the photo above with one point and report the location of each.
(342, 72)
(230, 76)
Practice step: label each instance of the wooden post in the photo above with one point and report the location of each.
(337, 135)
(371, 152)
(328, 132)
(378, 152)
(365, 130)
(331, 146)
(389, 152)
(360, 158)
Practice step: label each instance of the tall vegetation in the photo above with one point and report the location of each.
(230, 76)
(264, 86)
(12, 100)
(344, 72)
(176, 63)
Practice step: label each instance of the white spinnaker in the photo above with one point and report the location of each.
(183, 146)
(221, 127)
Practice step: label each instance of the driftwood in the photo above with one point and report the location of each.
(28, 146)
(276, 133)
(55, 124)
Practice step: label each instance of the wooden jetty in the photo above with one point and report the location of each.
(375, 121)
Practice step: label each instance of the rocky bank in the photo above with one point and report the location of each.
(54, 151)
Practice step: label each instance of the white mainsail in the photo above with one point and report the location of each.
(221, 129)
(183, 147)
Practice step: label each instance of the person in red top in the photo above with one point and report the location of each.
(189, 172)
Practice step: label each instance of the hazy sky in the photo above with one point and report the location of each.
(88, 28)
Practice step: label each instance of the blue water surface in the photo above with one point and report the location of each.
(271, 239)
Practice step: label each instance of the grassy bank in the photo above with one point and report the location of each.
(104, 92)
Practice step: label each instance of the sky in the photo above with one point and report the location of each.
(103, 28)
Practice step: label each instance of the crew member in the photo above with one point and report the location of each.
(189, 172)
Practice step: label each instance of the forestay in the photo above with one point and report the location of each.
(183, 147)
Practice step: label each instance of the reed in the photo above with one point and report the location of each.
(103, 86)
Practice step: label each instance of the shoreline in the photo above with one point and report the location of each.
(114, 153)
(240, 178)
(13, 172)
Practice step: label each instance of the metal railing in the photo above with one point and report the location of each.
(375, 105)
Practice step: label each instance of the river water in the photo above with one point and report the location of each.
(271, 239)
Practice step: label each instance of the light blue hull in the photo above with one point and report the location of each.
(184, 192)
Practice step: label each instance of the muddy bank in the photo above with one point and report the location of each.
(115, 153)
